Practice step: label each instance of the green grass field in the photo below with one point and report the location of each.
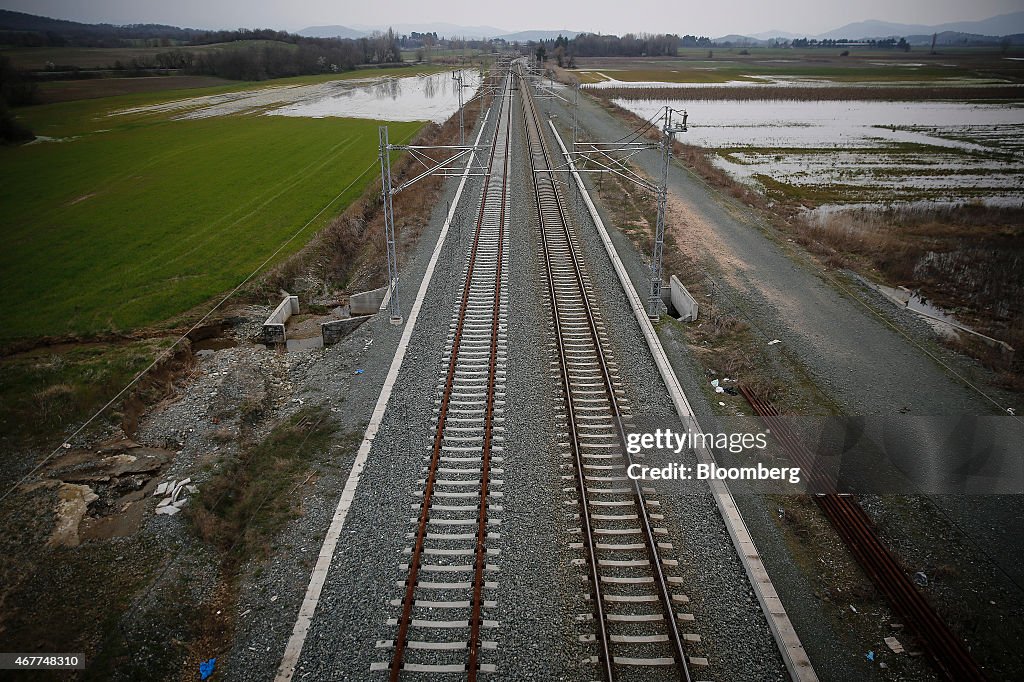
(135, 219)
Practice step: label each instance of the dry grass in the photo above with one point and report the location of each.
(966, 259)
(243, 506)
(699, 161)
(724, 344)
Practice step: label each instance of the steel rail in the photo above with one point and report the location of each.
(421, 532)
(478, 578)
(675, 638)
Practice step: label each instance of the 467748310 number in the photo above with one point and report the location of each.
(19, 661)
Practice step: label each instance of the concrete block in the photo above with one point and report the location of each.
(273, 328)
(335, 330)
(682, 301)
(273, 333)
(170, 511)
(367, 302)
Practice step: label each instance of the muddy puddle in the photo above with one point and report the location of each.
(214, 344)
(102, 492)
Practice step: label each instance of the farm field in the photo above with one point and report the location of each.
(37, 58)
(767, 65)
(50, 92)
(122, 221)
(878, 126)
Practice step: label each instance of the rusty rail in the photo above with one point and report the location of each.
(947, 651)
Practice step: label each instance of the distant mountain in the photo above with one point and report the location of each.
(527, 36)
(768, 35)
(1002, 25)
(334, 31)
(442, 29)
(958, 39)
(22, 22)
(735, 39)
(872, 29)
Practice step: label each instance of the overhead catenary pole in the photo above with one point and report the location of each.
(457, 77)
(575, 137)
(389, 225)
(667, 138)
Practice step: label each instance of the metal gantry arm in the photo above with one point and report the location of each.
(442, 167)
(603, 154)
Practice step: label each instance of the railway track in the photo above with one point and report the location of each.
(442, 624)
(637, 624)
(948, 651)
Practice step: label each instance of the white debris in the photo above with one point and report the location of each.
(894, 645)
(773, 342)
(174, 492)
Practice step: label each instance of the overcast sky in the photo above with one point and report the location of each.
(707, 17)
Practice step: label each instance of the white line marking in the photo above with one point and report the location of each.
(290, 659)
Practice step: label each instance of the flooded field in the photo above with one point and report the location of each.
(423, 97)
(858, 151)
(610, 78)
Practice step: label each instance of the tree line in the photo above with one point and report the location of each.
(279, 59)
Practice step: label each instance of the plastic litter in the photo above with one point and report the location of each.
(921, 579)
(773, 342)
(731, 391)
(358, 371)
(206, 668)
(870, 656)
(718, 389)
